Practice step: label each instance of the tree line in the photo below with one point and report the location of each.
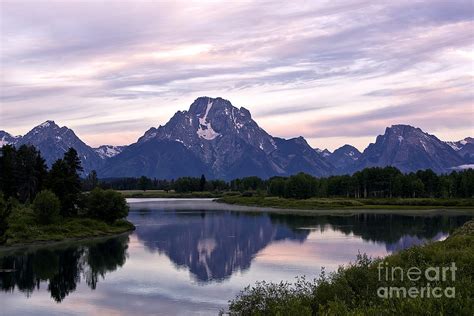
(387, 182)
(376, 182)
(52, 194)
(181, 185)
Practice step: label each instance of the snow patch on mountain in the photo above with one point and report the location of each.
(46, 124)
(454, 145)
(4, 141)
(324, 153)
(108, 151)
(205, 129)
(424, 145)
(8, 139)
(463, 167)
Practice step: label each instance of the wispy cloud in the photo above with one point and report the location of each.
(334, 71)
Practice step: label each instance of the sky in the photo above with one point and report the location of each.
(334, 72)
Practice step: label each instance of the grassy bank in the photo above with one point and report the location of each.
(330, 203)
(24, 228)
(353, 289)
(171, 194)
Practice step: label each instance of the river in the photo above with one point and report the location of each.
(189, 257)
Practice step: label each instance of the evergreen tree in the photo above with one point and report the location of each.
(8, 179)
(58, 183)
(202, 183)
(31, 172)
(5, 211)
(144, 183)
(74, 163)
(91, 182)
(65, 182)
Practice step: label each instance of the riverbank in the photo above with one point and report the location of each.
(170, 194)
(348, 204)
(355, 288)
(25, 230)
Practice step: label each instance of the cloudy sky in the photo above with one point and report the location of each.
(334, 72)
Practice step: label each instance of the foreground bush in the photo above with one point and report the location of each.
(106, 205)
(46, 207)
(352, 290)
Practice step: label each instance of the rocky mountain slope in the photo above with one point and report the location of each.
(7, 138)
(344, 158)
(409, 149)
(53, 141)
(464, 148)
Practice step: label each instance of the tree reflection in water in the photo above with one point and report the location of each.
(62, 267)
(212, 245)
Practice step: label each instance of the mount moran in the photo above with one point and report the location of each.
(221, 141)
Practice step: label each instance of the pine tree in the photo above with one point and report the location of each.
(64, 180)
(91, 182)
(30, 172)
(5, 211)
(8, 179)
(202, 183)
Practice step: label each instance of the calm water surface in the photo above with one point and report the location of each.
(189, 257)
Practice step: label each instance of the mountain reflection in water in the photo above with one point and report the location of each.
(213, 243)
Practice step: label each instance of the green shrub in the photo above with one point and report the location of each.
(352, 289)
(46, 207)
(106, 205)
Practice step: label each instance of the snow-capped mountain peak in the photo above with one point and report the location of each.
(8, 139)
(47, 124)
(108, 151)
(53, 141)
(225, 139)
(324, 152)
(464, 148)
(210, 121)
(408, 148)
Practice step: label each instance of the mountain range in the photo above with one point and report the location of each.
(222, 141)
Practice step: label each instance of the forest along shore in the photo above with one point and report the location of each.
(39, 205)
(348, 204)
